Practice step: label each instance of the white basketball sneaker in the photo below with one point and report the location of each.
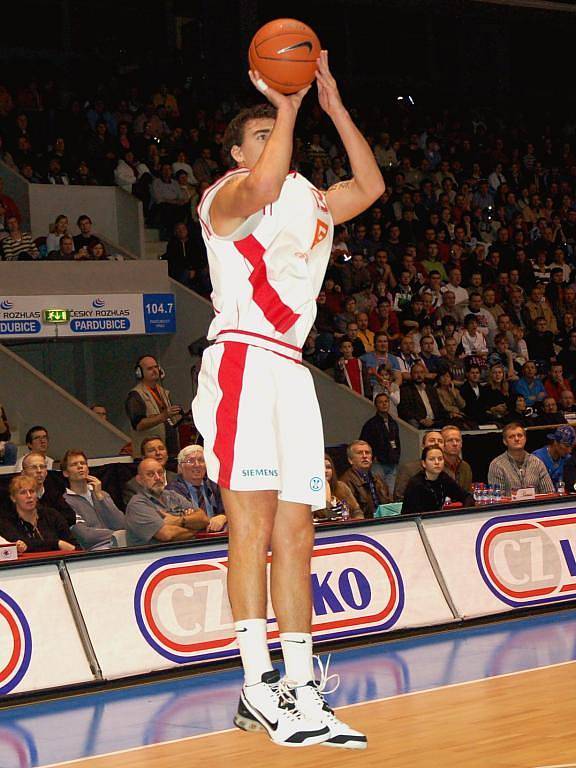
(310, 700)
(271, 705)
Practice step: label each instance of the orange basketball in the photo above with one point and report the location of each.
(284, 52)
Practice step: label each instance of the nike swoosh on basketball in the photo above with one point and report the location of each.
(295, 46)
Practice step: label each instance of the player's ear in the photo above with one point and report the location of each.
(237, 155)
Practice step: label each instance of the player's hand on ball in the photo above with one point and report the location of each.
(276, 98)
(328, 94)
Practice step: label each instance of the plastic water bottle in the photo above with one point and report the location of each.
(489, 494)
(561, 487)
(345, 515)
(497, 493)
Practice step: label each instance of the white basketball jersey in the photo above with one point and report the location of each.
(267, 274)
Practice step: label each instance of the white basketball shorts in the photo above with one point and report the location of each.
(259, 416)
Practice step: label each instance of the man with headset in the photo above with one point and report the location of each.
(149, 408)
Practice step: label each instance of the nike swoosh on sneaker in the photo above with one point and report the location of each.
(295, 46)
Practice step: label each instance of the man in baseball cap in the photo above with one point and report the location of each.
(557, 453)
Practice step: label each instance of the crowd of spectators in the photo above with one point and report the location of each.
(450, 303)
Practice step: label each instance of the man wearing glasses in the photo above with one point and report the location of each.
(156, 515)
(192, 483)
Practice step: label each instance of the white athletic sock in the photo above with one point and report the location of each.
(297, 652)
(251, 637)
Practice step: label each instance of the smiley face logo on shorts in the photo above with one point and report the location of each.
(316, 484)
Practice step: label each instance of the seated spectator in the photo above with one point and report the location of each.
(555, 455)
(549, 415)
(67, 251)
(453, 361)
(155, 515)
(387, 384)
(169, 201)
(419, 402)
(131, 175)
(186, 261)
(38, 528)
(365, 335)
(406, 356)
(555, 383)
(84, 176)
(37, 440)
(8, 451)
(450, 397)
(339, 498)
(431, 488)
(383, 436)
(352, 335)
(502, 355)
(18, 245)
(472, 392)
(355, 274)
(454, 464)
(473, 341)
(350, 370)
(56, 175)
(86, 237)
(432, 361)
(515, 468)
(100, 410)
(49, 485)
(380, 356)
(369, 489)
(408, 469)
(567, 405)
(97, 518)
(538, 306)
(150, 448)
(540, 343)
(495, 395)
(59, 228)
(192, 483)
(97, 252)
(530, 385)
(519, 412)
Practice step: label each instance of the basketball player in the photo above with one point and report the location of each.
(268, 233)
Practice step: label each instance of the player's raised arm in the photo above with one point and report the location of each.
(347, 199)
(265, 148)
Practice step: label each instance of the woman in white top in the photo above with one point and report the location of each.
(59, 228)
(473, 341)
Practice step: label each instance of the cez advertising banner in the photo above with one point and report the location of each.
(493, 562)
(164, 609)
(42, 317)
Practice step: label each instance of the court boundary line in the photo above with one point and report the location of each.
(346, 706)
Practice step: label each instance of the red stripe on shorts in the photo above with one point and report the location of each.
(275, 311)
(230, 377)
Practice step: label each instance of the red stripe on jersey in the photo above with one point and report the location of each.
(275, 311)
(230, 376)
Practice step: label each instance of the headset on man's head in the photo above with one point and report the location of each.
(139, 373)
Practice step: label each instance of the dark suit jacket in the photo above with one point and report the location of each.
(475, 407)
(384, 440)
(411, 406)
(361, 491)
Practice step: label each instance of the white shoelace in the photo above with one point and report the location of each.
(325, 678)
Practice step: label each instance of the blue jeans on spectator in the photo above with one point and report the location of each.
(387, 472)
(9, 456)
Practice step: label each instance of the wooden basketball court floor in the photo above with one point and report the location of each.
(497, 696)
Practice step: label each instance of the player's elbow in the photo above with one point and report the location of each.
(378, 188)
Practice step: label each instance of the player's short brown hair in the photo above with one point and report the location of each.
(234, 133)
